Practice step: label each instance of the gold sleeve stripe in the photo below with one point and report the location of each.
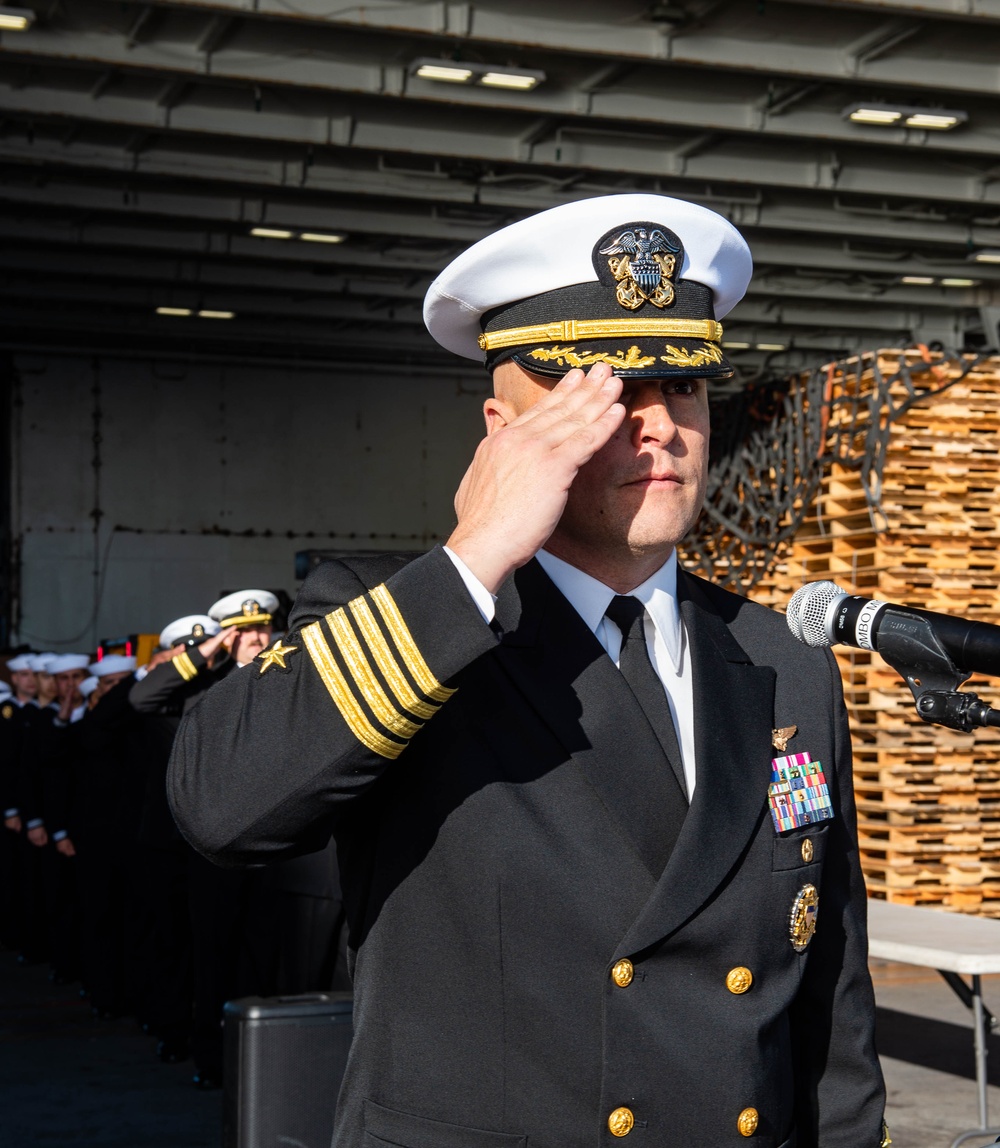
(428, 685)
(364, 678)
(185, 667)
(345, 701)
(386, 661)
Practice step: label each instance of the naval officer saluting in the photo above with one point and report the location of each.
(595, 815)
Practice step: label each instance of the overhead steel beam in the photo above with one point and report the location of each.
(920, 228)
(269, 273)
(398, 319)
(977, 11)
(636, 156)
(668, 99)
(770, 250)
(783, 49)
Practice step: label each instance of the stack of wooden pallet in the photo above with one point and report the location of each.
(928, 798)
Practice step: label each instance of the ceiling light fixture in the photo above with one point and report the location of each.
(216, 314)
(890, 115)
(487, 75)
(271, 233)
(321, 237)
(444, 73)
(736, 346)
(918, 280)
(941, 123)
(959, 282)
(178, 311)
(772, 347)
(987, 255)
(875, 116)
(16, 19)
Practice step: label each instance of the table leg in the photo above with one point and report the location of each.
(982, 1023)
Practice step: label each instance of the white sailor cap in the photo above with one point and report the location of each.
(62, 663)
(42, 663)
(191, 628)
(638, 281)
(112, 664)
(88, 685)
(5, 690)
(245, 608)
(21, 662)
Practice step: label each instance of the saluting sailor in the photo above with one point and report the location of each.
(552, 760)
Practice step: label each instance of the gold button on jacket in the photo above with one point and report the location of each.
(748, 1121)
(621, 1121)
(738, 980)
(622, 973)
(807, 850)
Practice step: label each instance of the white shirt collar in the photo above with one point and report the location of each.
(591, 598)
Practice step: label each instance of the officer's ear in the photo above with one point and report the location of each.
(497, 414)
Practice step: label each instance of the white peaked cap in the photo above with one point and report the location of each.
(112, 664)
(22, 662)
(245, 608)
(554, 249)
(64, 662)
(188, 627)
(5, 689)
(88, 685)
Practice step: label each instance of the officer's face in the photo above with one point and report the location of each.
(643, 491)
(250, 641)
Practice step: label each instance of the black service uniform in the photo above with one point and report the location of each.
(523, 974)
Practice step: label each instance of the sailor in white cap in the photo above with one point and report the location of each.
(69, 670)
(249, 616)
(107, 673)
(546, 750)
(24, 688)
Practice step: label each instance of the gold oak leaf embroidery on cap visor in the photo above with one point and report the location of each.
(374, 673)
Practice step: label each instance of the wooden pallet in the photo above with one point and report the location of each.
(928, 798)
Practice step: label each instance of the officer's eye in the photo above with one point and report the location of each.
(681, 387)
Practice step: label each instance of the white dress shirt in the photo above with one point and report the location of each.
(665, 637)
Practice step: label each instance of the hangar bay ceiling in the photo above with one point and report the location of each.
(273, 179)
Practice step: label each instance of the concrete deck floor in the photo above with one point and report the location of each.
(70, 1081)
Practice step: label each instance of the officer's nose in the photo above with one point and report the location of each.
(649, 411)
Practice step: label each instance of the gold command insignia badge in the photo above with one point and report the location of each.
(275, 656)
(781, 737)
(198, 631)
(643, 264)
(250, 607)
(802, 919)
(7, 711)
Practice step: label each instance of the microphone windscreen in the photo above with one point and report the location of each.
(807, 611)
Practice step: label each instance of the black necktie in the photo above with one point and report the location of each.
(628, 615)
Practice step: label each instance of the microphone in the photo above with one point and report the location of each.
(821, 614)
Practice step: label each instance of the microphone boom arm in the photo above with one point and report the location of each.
(910, 645)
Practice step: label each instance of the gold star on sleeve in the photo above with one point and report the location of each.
(275, 656)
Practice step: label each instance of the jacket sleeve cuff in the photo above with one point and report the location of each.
(386, 655)
(189, 663)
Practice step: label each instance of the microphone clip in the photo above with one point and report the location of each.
(909, 644)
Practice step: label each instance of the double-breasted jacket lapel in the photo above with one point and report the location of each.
(565, 674)
(734, 705)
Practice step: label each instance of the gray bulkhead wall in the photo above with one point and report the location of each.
(141, 490)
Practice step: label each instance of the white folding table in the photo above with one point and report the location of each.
(954, 944)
